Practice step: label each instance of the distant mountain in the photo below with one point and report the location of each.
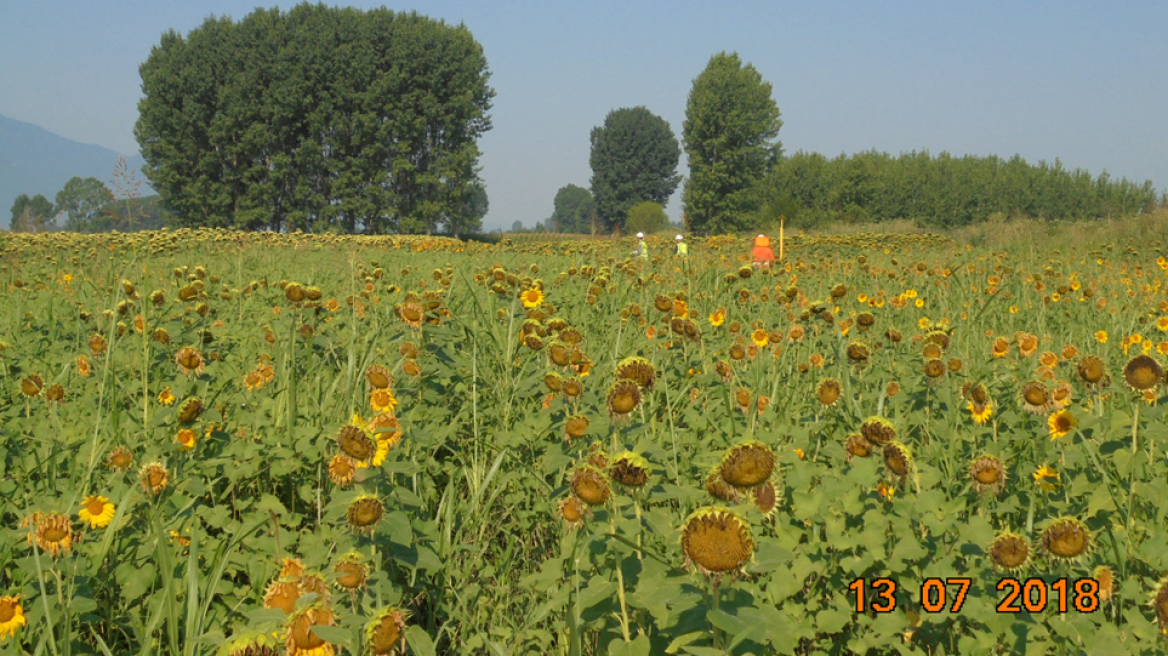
(36, 161)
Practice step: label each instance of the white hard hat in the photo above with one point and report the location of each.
(640, 235)
(679, 238)
(762, 235)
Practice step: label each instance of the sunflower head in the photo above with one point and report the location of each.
(31, 385)
(988, 474)
(934, 369)
(252, 643)
(365, 512)
(153, 478)
(828, 392)
(858, 352)
(575, 426)
(385, 633)
(857, 446)
(878, 431)
(572, 388)
(747, 464)
(355, 442)
(893, 335)
(190, 410)
(1066, 538)
(931, 351)
(54, 534)
(629, 469)
(351, 571)
(590, 484)
(765, 497)
(940, 338)
(1106, 579)
(342, 469)
(572, 510)
(898, 459)
(378, 377)
(1009, 551)
(1091, 369)
(300, 640)
(96, 511)
(1035, 397)
(189, 360)
(1061, 422)
(559, 353)
(637, 369)
(716, 540)
(1160, 603)
(718, 488)
(282, 594)
(1142, 373)
(623, 397)
(120, 459)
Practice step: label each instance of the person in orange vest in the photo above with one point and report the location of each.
(762, 253)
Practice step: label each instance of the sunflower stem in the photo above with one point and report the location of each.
(620, 579)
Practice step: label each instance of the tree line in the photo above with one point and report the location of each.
(741, 180)
(89, 205)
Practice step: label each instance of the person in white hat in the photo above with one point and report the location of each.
(682, 248)
(642, 248)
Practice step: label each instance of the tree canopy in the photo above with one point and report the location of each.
(634, 158)
(319, 119)
(731, 123)
(32, 214)
(82, 202)
(575, 211)
(647, 217)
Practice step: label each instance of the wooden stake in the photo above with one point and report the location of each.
(781, 220)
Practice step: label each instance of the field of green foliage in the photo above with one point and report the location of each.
(257, 444)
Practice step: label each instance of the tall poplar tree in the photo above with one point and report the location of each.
(634, 158)
(731, 122)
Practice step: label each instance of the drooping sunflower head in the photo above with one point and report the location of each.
(629, 469)
(291, 568)
(190, 410)
(575, 426)
(572, 510)
(553, 381)
(597, 456)
(663, 303)
(1105, 576)
(1091, 369)
(412, 314)
(931, 351)
(1160, 603)
(385, 633)
(378, 377)
(716, 540)
(934, 370)
(1035, 397)
(351, 571)
(54, 534)
(864, 321)
(637, 369)
(365, 512)
(718, 488)
(765, 497)
(153, 478)
(559, 353)
(747, 464)
(1009, 551)
(355, 442)
(282, 594)
(120, 459)
(623, 397)
(342, 469)
(1066, 538)
(858, 352)
(301, 640)
(878, 430)
(857, 446)
(988, 474)
(828, 392)
(590, 485)
(572, 388)
(898, 459)
(940, 338)
(1001, 347)
(189, 361)
(893, 335)
(1142, 372)
(1027, 344)
(32, 385)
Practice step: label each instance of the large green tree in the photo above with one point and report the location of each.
(317, 118)
(575, 211)
(634, 159)
(731, 122)
(82, 202)
(32, 214)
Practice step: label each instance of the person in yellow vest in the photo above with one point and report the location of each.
(642, 248)
(682, 248)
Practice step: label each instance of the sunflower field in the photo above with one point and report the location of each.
(252, 444)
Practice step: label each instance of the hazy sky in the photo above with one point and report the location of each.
(1085, 82)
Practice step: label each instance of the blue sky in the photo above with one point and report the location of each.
(1084, 82)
